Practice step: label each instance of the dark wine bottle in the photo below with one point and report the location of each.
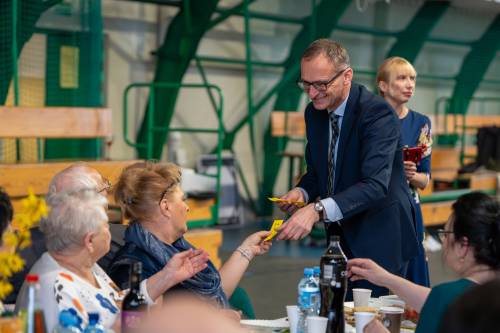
(333, 286)
(134, 304)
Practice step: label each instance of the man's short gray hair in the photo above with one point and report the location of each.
(71, 217)
(333, 50)
(74, 178)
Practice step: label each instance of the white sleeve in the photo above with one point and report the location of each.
(144, 291)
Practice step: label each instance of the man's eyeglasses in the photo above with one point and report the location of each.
(319, 85)
(443, 234)
(106, 186)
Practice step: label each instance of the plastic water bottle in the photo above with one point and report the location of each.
(316, 273)
(94, 326)
(309, 299)
(30, 307)
(68, 323)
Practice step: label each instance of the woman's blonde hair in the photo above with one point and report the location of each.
(385, 69)
(143, 185)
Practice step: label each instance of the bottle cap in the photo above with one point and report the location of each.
(67, 319)
(136, 267)
(308, 271)
(32, 278)
(93, 318)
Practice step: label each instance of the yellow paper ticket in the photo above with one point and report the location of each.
(274, 227)
(296, 203)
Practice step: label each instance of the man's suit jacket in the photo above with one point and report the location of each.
(370, 186)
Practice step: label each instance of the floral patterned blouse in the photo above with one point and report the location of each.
(73, 292)
(60, 289)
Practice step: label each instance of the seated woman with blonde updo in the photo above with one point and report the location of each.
(150, 196)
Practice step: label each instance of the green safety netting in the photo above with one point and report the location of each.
(50, 55)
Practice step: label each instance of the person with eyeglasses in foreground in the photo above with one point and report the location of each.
(355, 180)
(471, 248)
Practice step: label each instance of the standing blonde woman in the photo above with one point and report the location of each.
(396, 80)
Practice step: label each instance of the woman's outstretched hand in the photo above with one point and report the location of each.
(185, 265)
(366, 269)
(256, 244)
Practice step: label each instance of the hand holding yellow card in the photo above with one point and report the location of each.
(273, 232)
(296, 203)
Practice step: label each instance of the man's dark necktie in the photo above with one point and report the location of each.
(332, 228)
(334, 125)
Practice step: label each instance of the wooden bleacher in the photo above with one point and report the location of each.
(72, 122)
(290, 125)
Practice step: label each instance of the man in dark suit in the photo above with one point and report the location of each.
(355, 179)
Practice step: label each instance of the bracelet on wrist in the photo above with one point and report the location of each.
(246, 253)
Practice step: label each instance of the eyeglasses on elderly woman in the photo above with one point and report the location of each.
(105, 186)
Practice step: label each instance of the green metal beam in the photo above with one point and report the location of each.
(474, 67)
(226, 13)
(174, 57)
(18, 18)
(263, 16)
(411, 40)
(249, 75)
(223, 60)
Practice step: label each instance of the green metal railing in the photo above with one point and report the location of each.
(254, 107)
(148, 145)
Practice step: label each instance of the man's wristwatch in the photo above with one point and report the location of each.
(318, 207)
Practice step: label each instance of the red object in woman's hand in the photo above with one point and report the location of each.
(414, 154)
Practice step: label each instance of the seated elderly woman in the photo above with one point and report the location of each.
(77, 234)
(471, 248)
(152, 199)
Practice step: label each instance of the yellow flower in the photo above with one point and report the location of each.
(16, 263)
(5, 288)
(33, 209)
(10, 239)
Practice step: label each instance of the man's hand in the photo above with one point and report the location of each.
(299, 225)
(410, 170)
(293, 195)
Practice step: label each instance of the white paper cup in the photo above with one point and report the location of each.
(361, 319)
(316, 324)
(292, 311)
(361, 296)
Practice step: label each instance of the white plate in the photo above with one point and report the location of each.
(276, 324)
